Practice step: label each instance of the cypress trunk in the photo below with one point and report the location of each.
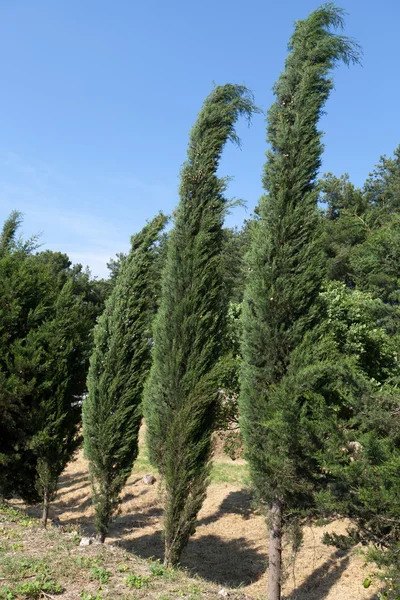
(46, 505)
(275, 551)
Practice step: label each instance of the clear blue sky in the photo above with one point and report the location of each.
(98, 98)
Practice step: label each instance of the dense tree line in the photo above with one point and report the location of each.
(285, 332)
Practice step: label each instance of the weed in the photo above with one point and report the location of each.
(40, 586)
(194, 589)
(86, 562)
(10, 534)
(88, 596)
(16, 516)
(17, 546)
(122, 568)
(34, 589)
(100, 573)
(136, 581)
(19, 566)
(157, 569)
(6, 593)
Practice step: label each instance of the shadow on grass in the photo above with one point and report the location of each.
(318, 585)
(67, 480)
(238, 503)
(231, 563)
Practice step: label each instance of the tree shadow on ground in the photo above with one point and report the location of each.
(238, 502)
(76, 504)
(231, 563)
(321, 580)
(120, 525)
(67, 480)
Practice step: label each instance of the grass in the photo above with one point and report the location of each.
(44, 564)
(236, 474)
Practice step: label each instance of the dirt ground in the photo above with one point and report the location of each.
(230, 544)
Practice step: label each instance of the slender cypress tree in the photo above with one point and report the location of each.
(286, 272)
(118, 368)
(60, 349)
(182, 390)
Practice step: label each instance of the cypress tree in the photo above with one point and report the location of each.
(118, 368)
(182, 390)
(61, 350)
(44, 348)
(286, 273)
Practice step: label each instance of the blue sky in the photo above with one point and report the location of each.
(98, 98)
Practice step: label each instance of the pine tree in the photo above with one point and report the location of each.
(286, 273)
(119, 366)
(182, 390)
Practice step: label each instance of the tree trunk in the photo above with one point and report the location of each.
(172, 554)
(275, 551)
(46, 504)
(102, 538)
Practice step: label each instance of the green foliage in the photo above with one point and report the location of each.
(345, 377)
(182, 391)
(286, 265)
(101, 574)
(119, 366)
(363, 251)
(87, 562)
(37, 574)
(158, 570)
(35, 588)
(84, 595)
(136, 581)
(362, 233)
(44, 347)
(343, 542)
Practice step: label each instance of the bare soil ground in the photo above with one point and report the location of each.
(229, 548)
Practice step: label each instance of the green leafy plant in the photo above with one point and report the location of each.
(136, 581)
(86, 562)
(122, 568)
(84, 595)
(158, 570)
(35, 588)
(6, 593)
(101, 574)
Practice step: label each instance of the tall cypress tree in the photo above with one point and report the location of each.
(182, 390)
(286, 272)
(119, 365)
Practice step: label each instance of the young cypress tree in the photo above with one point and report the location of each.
(286, 272)
(182, 390)
(61, 349)
(118, 368)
